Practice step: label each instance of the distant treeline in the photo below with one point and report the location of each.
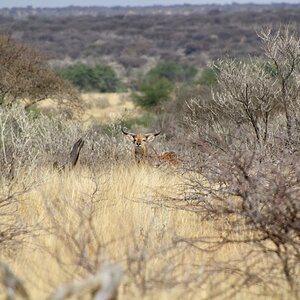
(134, 40)
(21, 12)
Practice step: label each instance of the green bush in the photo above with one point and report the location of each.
(153, 92)
(208, 76)
(100, 78)
(158, 83)
(271, 69)
(173, 72)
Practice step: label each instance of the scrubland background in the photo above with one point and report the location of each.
(225, 222)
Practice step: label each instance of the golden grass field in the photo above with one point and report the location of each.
(99, 107)
(80, 219)
(83, 218)
(106, 107)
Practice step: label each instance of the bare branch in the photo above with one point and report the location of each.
(103, 285)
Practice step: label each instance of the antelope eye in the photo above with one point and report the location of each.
(143, 139)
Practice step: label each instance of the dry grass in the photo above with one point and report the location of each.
(98, 107)
(85, 218)
(106, 107)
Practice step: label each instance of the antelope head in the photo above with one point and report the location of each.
(140, 142)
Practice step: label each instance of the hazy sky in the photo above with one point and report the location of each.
(56, 3)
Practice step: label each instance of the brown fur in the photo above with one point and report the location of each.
(140, 142)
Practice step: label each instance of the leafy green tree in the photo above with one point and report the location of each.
(101, 78)
(208, 76)
(158, 83)
(153, 93)
(173, 72)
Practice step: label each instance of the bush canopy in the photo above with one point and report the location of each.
(100, 78)
(158, 83)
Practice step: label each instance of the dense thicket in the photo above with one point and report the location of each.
(244, 138)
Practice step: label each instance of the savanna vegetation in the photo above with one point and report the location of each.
(157, 85)
(26, 75)
(223, 224)
(136, 39)
(100, 78)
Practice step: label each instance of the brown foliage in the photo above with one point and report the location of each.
(25, 75)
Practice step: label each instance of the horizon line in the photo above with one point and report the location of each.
(257, 2)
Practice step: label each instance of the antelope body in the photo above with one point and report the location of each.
(140, 143)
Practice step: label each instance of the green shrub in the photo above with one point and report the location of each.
(208, 76)
(173, 72)
(271, 69)
(158, 83)
(153, 92)
(100, 78)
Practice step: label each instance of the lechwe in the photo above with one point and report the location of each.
(141, 150)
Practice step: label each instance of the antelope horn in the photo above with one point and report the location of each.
(154, 134)
(127, 133)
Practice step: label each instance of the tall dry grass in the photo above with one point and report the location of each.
(82, 218)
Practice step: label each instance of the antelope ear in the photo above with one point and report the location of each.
(150, 137)
(130, 137)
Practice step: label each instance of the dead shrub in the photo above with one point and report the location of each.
(244, 151)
